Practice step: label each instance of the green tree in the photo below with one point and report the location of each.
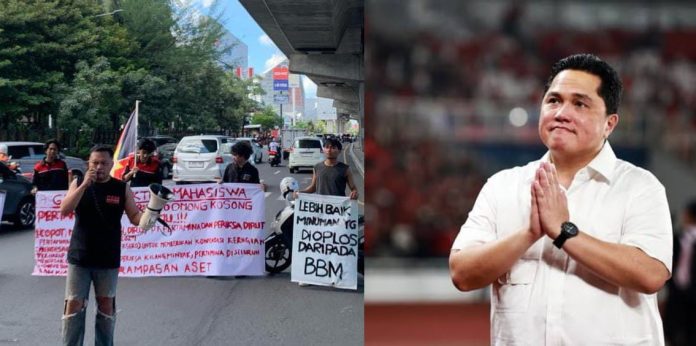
(78, 60)
(310, 126)
(94, 94)
(267, 118)
(41, 43)
(182, 50)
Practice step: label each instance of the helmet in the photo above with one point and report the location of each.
(288, 184)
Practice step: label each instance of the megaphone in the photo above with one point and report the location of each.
(159, 196)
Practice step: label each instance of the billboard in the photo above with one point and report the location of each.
(280, 73)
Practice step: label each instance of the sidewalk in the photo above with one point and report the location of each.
(358, 156)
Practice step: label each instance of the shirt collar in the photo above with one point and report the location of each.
(55, 161)
(603, 163)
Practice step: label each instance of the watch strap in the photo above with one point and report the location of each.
(568, 230)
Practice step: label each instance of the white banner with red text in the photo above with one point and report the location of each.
(325, 241)
(217, 229)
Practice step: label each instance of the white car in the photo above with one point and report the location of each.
(305, 153)
(201, 158)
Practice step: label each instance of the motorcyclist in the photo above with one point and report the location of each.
(274, 145)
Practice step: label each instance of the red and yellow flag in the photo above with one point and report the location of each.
(126, 146)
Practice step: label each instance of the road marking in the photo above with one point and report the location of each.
(267, 194)
(276, 172)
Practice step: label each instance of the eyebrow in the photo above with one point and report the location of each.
(574, 95)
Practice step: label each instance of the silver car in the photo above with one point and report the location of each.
(201, 158)
(27, 154)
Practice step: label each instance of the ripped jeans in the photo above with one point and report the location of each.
(77, 286)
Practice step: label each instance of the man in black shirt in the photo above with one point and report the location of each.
(330, 176)
(94, 253)
(51, 173)
(241, 170)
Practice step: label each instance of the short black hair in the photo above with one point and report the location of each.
(332, 142)
(52, 141)
(147, 145)
(103, 149)
(610, 86)
(242, 149)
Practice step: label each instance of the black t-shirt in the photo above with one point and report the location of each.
(245, 174)
(331, 180)
(51, 175)
(96, 237)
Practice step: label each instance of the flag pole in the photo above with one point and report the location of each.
(135, 145)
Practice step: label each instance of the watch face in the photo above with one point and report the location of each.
(569, 228)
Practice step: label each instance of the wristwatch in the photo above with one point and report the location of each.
(568, 230)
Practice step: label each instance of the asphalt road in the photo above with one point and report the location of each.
(185, 310)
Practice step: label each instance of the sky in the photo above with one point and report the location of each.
(263, 54)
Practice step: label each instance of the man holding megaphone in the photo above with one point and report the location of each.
(94, 254)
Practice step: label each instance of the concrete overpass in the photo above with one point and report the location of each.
(323, 39)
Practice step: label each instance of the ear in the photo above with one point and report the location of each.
(610, 124)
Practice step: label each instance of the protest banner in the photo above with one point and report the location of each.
(217, 229)
(325, 241)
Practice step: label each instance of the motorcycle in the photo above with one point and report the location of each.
(273, 158)
(278, 245)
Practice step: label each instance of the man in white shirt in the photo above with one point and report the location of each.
(576, 244)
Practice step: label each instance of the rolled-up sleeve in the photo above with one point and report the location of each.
(479, 227)
(648, 225)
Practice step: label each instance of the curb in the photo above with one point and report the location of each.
(358, 163)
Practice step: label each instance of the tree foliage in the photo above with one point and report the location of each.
(86, 64)
(267, 118)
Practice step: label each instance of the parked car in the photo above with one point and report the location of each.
(19, 202)
(201, 158)
(161, 140)
(257, 156)
(27, 154)
(305, 153)
(165, 153)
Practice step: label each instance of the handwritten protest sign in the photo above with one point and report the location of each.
(325, 241)
(218, 229)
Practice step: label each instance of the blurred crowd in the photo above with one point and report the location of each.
(435, 88)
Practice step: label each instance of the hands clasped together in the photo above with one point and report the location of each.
(549, 203)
